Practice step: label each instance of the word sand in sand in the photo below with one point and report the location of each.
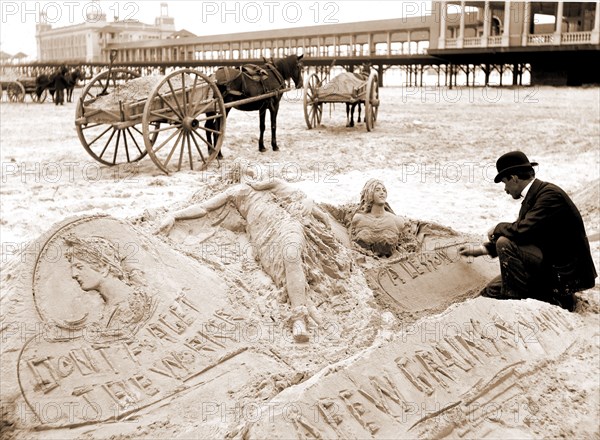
(401, 277)
(83, 361)
(462, 373)
(108, 323)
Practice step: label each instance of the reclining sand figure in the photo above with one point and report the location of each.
(376, 229)
(291, 235)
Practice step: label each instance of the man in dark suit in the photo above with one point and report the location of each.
(60, 84)
(545, 254)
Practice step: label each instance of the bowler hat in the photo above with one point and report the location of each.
(512, 162)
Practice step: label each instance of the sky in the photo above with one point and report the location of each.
(18, 18)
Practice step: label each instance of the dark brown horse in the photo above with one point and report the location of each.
(363, 74)
(254, 81)
(72, 76)
(45, 82)
(55, 83)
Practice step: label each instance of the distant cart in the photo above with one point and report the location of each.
(347, 88)
(17, 89)
(121, 117)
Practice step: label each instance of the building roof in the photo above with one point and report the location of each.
(120, 26)
(111, 28)
(373, 27)
(183, 33)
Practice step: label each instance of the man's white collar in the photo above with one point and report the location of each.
(526, 189)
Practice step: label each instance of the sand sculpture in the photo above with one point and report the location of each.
(377, 229)
(102, 308)
(104, 321)
(292, 235)
(98, 266)
(462, 374)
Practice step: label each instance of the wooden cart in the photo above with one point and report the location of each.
(121, 117)
(17, 89)
(341, 89)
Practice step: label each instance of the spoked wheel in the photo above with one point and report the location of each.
(193, 112)
(15, 92)
(97, 117)
(313, 109)
(372, 101)
(42, 98)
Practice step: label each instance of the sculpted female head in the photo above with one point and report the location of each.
(92, 259)
(374, 192)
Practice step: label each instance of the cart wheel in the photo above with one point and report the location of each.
(372, 101)
(313, 109)
(15, 92)
(185, 100)
(42, 97)
(108, 142)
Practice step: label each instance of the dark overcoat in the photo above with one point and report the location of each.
(550, 220)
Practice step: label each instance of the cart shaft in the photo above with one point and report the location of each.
(257, 98)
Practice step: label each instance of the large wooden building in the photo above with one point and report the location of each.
(87, 42)
(551, 40)
(450, 25)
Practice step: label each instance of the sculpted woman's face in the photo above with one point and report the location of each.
(88, 277)
(379, 194)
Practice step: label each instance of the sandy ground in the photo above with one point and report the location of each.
(434, 148)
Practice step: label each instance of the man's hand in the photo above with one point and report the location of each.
(472, 251)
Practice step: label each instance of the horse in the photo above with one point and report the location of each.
(44, 82)
(253, 81)
(363, 75)
(55, 83)
(72, 77)
(60, 85)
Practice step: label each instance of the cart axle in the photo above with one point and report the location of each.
(190, 123)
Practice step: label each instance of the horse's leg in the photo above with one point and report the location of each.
(359, 109)
(217, 126)
(211, 137)
(209, 124)
(261, 125)
(273, 110)
(348, 115)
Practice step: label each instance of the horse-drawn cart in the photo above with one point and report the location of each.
(348, 88)
(17, 88)
(121, 117)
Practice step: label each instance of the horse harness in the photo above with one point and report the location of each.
(249, 72)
